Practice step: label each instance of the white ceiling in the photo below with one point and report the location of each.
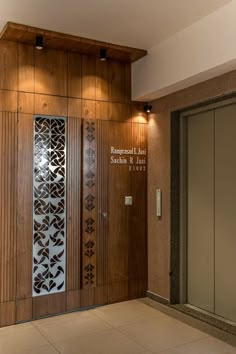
(136, 23)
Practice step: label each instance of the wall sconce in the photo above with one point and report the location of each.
(147, 108)
(39, 42)
(103, 54)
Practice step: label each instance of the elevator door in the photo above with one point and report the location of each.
(210, 205)
(200, 210)
(225, 212)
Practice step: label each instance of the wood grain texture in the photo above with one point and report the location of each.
(25, 68)
(8, 101)
(49, 305)
(103, 160)
(23, 310)
(102, 86)
(51, 72)
(26, 102)
(74, 75)
(74, 107)
(138, 219)
(119, 82)
(88, 109)
(119, 186)
(8, 193)
(88, 77)
(24, 206)
(73, 203)
(56, 40)
(50, 105)
(7, 313)
(8, 66)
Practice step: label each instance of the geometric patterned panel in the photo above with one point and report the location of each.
(89, 203)
(49, 205)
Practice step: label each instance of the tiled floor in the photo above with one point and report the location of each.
(130, 327)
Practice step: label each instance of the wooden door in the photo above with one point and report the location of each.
(105, 240)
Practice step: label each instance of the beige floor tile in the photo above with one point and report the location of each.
(108, 342)
(20, 338)
(71, 325)
(161, 333)
(127, 312)
(208, 345)
(48, 349)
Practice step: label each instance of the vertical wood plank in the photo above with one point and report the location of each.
(8, 195)
(102, 86)
(74, 75)
(51, 72)
(25, 206)
(88, 77)
(73, 203)
(101, 291)
(8, 65)
(25, 68)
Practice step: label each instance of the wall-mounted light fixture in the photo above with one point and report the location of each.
(39, 42)
(103, 54)
(147, 108)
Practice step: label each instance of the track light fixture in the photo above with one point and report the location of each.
(147, 108)
(103, 54)
(39, 42)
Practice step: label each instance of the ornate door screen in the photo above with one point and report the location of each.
(49, 205)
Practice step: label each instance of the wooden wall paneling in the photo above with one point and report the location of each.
(8, 65)
(119, 82)
(103, 160)
(74, 107)
(26, 34)
(8, 101)
(8, 195)
(74, 75)
(88, 109)
(49, 305)
(138, 114)
(26, 68)
(24, 206)
(88, 77)
(118, 238)
(102, 86)
(73, 203)
(7, 313)
(24, 310)
(51, 72)
(119, 111)
(101, 110)
(138, 217)
(51, 105)
(26, 102)
(89, 212)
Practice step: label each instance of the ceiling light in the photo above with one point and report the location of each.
(103, 54)
(39, 42)
(147, 108)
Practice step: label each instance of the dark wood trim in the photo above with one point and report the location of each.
(175, 209)
(26, 34)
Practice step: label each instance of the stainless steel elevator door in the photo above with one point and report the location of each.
(225, 212)
(200, 210)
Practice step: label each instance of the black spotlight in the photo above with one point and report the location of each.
(39, 42)
(147, 108)
(103, 54)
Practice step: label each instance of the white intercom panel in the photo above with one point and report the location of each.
(158, 202)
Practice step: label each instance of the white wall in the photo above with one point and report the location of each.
(202, 51)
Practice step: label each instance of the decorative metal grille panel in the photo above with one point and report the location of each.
(49, 205)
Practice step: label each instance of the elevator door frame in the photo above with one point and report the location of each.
(178, 245)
